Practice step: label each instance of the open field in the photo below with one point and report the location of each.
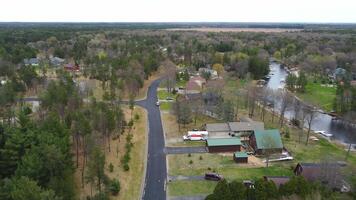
(208, 29)
(319, 95)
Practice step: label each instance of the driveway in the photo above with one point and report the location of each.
(201, 197)
(185, 178)
(156, 170)
(185, 150)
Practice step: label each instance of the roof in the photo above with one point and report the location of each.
(235, 126)
(240, 154)
(277, 180)
(223, 141)
(268, 139)
(217, 127)
(195, 83)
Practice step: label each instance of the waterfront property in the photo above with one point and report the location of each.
(266, 140)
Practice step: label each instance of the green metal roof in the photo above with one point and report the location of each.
(223, 141)
(268, 139)
(240, 154)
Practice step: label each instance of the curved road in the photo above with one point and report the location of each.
(156, 171)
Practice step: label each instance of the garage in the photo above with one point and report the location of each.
(220, 145)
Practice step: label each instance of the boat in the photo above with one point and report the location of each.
(324, 133)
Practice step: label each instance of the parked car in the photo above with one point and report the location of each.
(157, 103)
(169, 98)
(213, 177)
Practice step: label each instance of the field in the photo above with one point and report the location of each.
(319, 95)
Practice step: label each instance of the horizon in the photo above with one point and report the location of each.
(160, 11)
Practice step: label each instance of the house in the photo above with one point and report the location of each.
(339, 74)
(277, 180)
(240, 157)
(195, 85)
(326, 173)
(233, 128)
(213, 73)
(56, 61)
(266, 140)
(31, 61)
(219, 145)
(72, 67)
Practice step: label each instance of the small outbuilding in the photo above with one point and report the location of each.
(266, 140)
(240, 157)
(220, 145)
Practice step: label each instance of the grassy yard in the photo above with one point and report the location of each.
(222, 164)
(166, 106)
(319, 95)
(163, 94)
(190, 188)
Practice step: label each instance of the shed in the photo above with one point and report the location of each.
(266, 140)
(240, 157)
(218, 145)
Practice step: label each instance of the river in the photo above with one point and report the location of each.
(323, 122)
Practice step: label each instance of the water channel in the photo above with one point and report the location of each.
(323, 122)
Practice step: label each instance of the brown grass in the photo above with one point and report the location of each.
(131, 180)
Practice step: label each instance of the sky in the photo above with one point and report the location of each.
(310, 11)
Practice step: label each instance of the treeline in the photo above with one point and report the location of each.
(296, 188)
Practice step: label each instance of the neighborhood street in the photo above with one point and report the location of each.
(156, 172)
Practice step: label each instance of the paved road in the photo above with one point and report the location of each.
(156, 171)
(185, 150)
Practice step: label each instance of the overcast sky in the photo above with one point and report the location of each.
(178, 11)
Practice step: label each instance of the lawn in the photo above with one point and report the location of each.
(222, 164)
(163, 94)
(190, 188)
(165, 106)
(319, 95)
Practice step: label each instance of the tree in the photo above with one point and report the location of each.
(296, 185)
(183, 111)
(238, 190)
(310, 114)
(23, 188)
(95, 169)
(286, 101)
(265, 190)
(219, 68)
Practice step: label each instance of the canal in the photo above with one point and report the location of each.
(323, 122)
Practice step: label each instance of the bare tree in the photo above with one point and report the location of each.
(286, 101)
(170, 71)
(310, 115)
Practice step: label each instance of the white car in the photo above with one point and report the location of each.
(157, 103)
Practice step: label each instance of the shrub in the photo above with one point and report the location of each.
(126, 167)
(114, 187)
(200, 157)
(111, 167)
(190, 162)
(189, 155)
(137, 117)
